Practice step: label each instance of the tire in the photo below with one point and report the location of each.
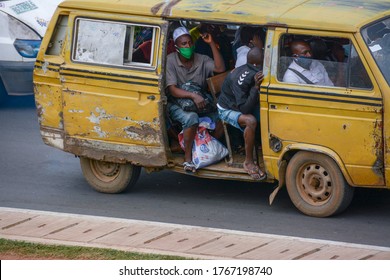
(316, 185)
(109, 177)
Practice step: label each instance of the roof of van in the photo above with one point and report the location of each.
(340, 15)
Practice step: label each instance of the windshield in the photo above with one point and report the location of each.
(377, 37)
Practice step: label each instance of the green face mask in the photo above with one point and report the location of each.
(187, 52)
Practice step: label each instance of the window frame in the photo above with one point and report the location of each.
(151, 66)
(368, 42)
(54, 47)
(279, 77)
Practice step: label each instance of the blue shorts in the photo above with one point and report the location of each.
(230, 117)
(188, 119)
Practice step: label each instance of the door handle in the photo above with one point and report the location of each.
(151, 97)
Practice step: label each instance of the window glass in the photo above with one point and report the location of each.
(321, 61)
(139, 45)
(358, 77)
(58, 38)
(113, 43)
(377, 37)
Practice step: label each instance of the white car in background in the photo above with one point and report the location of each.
(22, 26)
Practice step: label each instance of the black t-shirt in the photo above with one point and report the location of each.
(238, 91)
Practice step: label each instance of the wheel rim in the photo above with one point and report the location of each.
(105, 171)
(314, 184)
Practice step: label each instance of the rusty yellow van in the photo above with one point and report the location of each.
(97, 100)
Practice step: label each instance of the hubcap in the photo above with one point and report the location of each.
(314, 184)
(105, 171)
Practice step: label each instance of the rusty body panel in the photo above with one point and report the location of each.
(114, 115)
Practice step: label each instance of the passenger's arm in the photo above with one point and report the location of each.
(246, 92)
(219, 64)
(253, 96)
(181, 93)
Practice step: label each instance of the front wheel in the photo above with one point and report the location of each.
(109, 177)
(316, 185)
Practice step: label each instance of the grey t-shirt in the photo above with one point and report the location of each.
(177, 74)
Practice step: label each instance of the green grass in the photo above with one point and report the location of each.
(27, 250)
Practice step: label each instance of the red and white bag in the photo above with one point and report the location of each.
(206, 149)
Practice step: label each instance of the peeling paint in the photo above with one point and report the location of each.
(137, 130)
(45, 66)
(99, 131)
(40, 112)
(101, 115)
(52, 138)
(75, 111)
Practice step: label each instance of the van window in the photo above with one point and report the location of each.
(58, 38)
(377, 37)
(113, 43)
(321, 61)
(358, 77)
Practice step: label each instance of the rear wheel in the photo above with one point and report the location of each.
(109, 177)
(316, 185)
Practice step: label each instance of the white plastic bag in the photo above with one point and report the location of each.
(206, 149)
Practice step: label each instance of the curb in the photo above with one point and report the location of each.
(173, 239)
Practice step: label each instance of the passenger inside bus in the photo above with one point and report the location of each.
(253, 36)
(186, 66)
(238, 104)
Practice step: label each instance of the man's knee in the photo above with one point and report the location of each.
(249, 121)
(186, 119)
(190, 119)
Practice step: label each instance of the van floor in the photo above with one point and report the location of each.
(223, 169)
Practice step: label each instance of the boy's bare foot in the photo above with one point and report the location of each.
(254, 171)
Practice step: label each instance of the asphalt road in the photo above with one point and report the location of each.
(36, 176)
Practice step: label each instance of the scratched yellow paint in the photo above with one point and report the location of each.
(110, 117)
(48, 101)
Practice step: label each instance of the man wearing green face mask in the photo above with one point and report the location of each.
(186, 66)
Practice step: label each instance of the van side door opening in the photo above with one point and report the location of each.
(226, 33)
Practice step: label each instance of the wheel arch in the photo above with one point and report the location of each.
(290, 150)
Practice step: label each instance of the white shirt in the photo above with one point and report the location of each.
(317, 74)
(242, 53)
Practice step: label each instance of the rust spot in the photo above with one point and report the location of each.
(156, 8)
(145, 130)
(378, 149)
(145, 133)
(135, 154)
(39, 111)
(168, 8)
(61, 115)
